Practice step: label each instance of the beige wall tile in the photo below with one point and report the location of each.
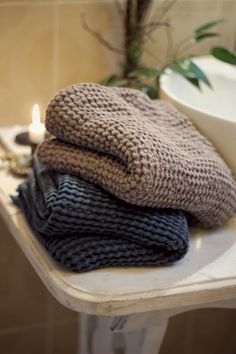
(43, 46)
(28, 342)
(213, 331)
(228, 29)
(25, 301)
(59, 313)
(80, 56)
(64, 339)
(177, 328)
(31, 320)
(184, 16)
(26, 34)
(209, 331)
(25, 2)
(23, 296)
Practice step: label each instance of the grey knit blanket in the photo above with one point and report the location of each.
(84, 228)
(145, 153)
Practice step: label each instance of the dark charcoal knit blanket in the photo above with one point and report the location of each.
(84, 228)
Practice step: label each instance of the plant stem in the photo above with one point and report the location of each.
(134, 16)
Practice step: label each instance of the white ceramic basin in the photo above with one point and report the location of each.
(212, 111)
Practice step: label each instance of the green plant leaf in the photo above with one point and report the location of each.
(134, 52)
(147, 72)
(121, 82)
(201, 37)
(191, 72)
(113, 80)
(224, 55)
(208, 26)
(150, 91)
(194, 82)
(109, 80)
(182, 68)
(200, 75)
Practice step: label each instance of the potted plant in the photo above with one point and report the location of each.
(138, 27)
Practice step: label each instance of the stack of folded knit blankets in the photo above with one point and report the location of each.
(121, 180)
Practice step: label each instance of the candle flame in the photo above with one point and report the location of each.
(36, 115)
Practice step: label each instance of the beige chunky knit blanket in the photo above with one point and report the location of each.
(144, 152)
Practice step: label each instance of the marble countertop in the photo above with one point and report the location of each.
(206, 274)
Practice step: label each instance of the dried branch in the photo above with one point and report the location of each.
(162, 10)
(169, 49)
(180, 46)
(98, 36)
(158, 60)
(143, 8)
(131, 23)
(152, 26)
(120, 9)
(157, 23)
(184, 48)
(147, 32)
(150, 38)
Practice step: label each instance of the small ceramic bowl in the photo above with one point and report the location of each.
(213, 111)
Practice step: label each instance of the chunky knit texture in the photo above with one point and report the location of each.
(84, 227)
(143, 152)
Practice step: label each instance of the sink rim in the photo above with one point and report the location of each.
(207, 61)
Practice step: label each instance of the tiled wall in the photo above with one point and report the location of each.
(43, 47)
(31, 320)
(187, 15)
(208, 331)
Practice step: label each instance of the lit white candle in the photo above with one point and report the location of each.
(36, 128)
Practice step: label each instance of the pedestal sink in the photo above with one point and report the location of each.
(213, 111)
